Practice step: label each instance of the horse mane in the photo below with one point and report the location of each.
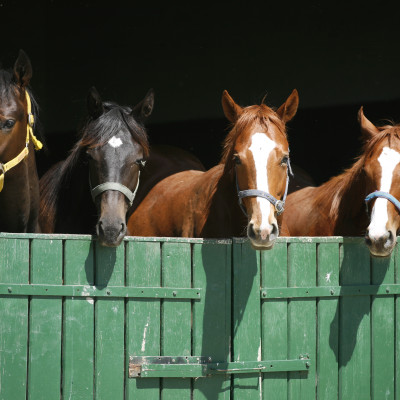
(9, 88)
(340, 185)
(255, 114)
(93, 133)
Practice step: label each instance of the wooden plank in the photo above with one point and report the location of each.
(382, 331)
(396, 252)
(78, 322)
(328, 323)
(354, 324)
(274, 320)
(246, 324)
(301, 319)
(109, 325)
(44, 370)
(14, 268)
(212, 315)
(143, 268)
(176, 315)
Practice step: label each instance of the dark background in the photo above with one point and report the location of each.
(338, 57)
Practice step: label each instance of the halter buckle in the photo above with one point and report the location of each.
(31, 120)
(279, 207)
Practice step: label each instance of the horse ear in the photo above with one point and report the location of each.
(94, 103)
(144, 108)
(22, 70)
(289, 108)
(232, 110)
(368, 129)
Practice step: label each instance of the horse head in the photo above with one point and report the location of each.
(257, 152)
(13, 107)
(116, 146)
(382, 174)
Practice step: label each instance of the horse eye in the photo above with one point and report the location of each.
(284, 160)
(9, 124)
(236, 159)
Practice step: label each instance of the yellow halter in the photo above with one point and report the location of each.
(29, 134)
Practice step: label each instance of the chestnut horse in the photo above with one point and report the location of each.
(338, 206)
(19, 183)
(94, 187)
(253, 168)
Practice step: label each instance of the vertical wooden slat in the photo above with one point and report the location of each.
(354, 324)
(109, 325)
(274, 320)
(328, 323)
(301, 318)
(246, 318)
(78, 322)
(211, 315)
(143, 315)
(44, 381)
(382, 331)
(14, 268)
(397, 323)
(176, 315)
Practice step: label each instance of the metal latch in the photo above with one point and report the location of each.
(200, 366)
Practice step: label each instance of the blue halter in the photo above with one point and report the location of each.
(278, 204)
(384, 195)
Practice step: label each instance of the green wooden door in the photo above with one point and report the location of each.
(197, 319)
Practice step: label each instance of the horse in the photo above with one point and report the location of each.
(95, 185)
(253, 168)
(19, 182)
(338, 207)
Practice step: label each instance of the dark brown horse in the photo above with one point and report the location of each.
(19, 183)
(338, 206)
(254, 167)
(94, 187)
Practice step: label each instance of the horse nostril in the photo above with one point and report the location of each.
(251, 233)
(274, 230)
(123, 227)
(100, 229)
(368, 240)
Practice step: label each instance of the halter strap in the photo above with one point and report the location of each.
(278, 204)
(119, 187)
(29, 134)
(384, 195)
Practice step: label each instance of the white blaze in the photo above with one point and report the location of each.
(261, 147)
(388, 160)
(115, 142)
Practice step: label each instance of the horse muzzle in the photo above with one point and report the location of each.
(381, 245)
(262, 238)
(110, 232)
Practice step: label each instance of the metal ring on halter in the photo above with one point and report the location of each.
(119, 187)
(383, 195)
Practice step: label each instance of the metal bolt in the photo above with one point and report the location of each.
(332, 291)
(264, 294)
(307, 364)
(387, 290)
(108, 292)
(174, 293)
(9, 290)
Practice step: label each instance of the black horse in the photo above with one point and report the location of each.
(19, 182)
(95, 186)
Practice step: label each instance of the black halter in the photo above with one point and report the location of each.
(278, 204)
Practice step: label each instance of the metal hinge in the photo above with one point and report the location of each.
(200, 366)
